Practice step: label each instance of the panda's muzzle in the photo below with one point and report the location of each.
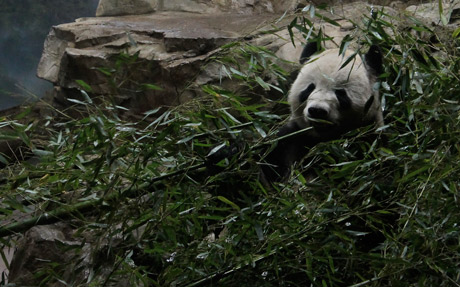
(317, 113)
(319, 117)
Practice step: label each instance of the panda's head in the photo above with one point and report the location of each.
(334, 98)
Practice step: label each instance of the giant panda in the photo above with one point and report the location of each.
(327, 99)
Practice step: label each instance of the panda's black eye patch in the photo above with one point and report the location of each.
(306, 93)
(344, 100)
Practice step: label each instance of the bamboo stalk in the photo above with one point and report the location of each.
(81, 207)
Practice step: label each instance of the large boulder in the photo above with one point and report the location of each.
(170, 49)
(55, 246)
(41, 244)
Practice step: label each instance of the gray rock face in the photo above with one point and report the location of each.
(125, 7)
(40, 243)
(429, 12)
(170, 48)
(131, 7)
(48, 245)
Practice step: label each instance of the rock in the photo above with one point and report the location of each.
(170, 49)
(132, 7)
(40, 245)
(190, 6)
(126, 7)
(60, 245)
(429, 12)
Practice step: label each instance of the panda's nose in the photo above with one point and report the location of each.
(317, 113)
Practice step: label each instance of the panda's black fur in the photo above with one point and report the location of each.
(327, 100)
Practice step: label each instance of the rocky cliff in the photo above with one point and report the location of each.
(171, 48)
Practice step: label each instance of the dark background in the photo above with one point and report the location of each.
(24, 25)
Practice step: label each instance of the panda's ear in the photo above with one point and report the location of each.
(374, 60)
(309, 49)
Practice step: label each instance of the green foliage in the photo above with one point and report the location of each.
(365, 210)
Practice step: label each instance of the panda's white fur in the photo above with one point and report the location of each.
(329, 99)
(325, 71)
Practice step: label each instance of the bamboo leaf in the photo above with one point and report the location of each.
(229, 202)
(84, 85)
